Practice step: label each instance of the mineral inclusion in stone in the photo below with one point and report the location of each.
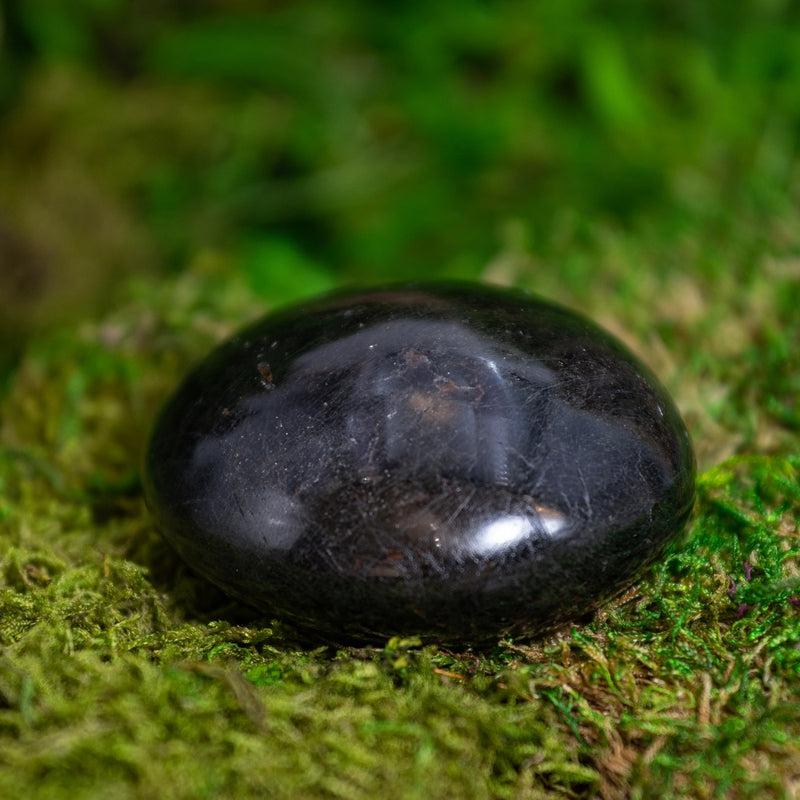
(452, 461)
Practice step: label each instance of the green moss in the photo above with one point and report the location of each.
(121, 675)
(167, 172)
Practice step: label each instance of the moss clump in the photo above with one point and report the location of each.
(122, 675)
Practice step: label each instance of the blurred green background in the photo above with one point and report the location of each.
(302, 144)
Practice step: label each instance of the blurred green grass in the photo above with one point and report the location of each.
(169, 170)
(394, 139)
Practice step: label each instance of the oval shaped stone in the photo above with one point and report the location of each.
(452, 461)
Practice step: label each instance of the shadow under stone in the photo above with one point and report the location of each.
(196, 599)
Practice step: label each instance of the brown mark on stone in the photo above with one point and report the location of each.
(265, 371)
(414, 358)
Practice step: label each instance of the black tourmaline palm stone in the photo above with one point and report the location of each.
(453, 461)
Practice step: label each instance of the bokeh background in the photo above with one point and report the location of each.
(170, 169)
(301, 144)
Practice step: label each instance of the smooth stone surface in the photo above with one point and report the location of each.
(453, 461)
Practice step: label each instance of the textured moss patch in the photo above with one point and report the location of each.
(122, 675)
(170, 170)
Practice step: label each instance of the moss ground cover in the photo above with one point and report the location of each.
(167, 174)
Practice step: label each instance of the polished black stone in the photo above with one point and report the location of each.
(454, 461)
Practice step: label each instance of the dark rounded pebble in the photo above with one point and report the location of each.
(453, 461)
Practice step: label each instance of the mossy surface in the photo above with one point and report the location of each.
(659, 199)
(122, 675)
